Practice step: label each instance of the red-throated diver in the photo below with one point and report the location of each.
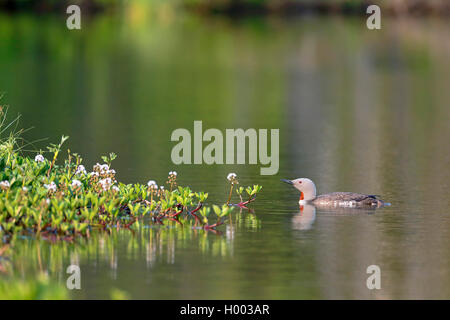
(308, 195)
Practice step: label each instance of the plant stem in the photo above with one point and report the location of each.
(231, 192)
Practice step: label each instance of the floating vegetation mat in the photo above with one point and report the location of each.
(39, 197)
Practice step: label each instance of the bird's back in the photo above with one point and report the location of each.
(347, 199)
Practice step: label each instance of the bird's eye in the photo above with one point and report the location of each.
(299, 182)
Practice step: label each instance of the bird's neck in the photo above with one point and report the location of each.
(308, 194)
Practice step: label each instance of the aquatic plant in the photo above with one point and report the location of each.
(40, 197)
(40, 288)
(251, 191)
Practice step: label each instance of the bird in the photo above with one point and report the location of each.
(308, 195)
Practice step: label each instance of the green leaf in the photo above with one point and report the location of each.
(217, 210)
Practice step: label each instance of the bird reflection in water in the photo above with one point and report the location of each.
(304, 219)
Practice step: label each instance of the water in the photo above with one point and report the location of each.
(357, 110)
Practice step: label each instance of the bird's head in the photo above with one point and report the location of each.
(306, 187)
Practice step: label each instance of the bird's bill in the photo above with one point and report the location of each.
(287, 181)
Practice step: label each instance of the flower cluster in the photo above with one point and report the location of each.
(152, 185)
(4, 185)
(172, 181)
(173, 173)
(39, 158)
(104, 170)
(232, 177)
(104, 176)
(161, 190)
(81, 170)
(51, 187)
(76, 183)
(106, 183)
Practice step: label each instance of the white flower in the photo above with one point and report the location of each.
(162, 188)
(47, 201)
(115, 188)
(152, 184)
(25, 189)
(76, 183)
(81, 169)
(51, 187)
(106, 183)
(94, 173)
(4, 184)
(103, 169)
(174, 173)
(231, 176)
(39, 158)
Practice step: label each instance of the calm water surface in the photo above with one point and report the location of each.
(357, 111)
